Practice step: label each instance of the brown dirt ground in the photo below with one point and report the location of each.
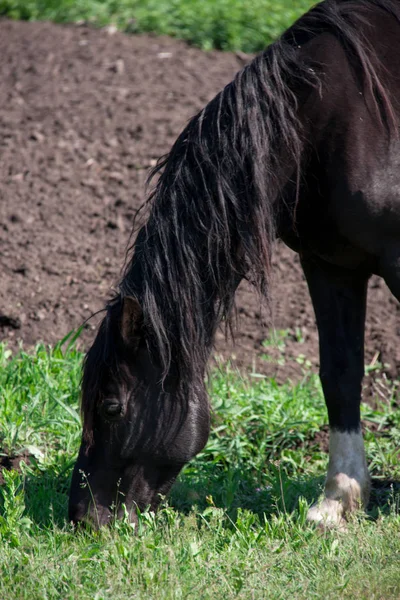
(12, 463)
(83, 115)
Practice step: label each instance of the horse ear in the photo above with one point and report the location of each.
(131, 320)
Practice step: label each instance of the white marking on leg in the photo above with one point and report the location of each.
(347, 484)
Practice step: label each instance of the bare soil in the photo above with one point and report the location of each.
(83, 116)
(13, 462)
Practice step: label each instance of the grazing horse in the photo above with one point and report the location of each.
(302, 145)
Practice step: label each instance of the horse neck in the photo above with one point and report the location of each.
(212, 219)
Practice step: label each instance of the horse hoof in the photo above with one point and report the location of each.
(327, 514)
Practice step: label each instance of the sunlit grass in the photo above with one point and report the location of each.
(247, 25)
(234, 525)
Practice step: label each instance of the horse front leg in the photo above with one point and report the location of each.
(339, 300)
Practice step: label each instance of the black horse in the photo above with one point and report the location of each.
(303, 146)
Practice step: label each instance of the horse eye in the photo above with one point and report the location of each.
(111, 410)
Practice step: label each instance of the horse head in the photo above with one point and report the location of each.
(140, 426)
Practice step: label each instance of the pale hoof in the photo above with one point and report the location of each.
(327, 514)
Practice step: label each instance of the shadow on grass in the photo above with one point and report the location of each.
(47, 489)
(46, 495)
(385, 496)
(235, 488)
(46, 492)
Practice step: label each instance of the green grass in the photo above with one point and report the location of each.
(247, 25)
(234, 525)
